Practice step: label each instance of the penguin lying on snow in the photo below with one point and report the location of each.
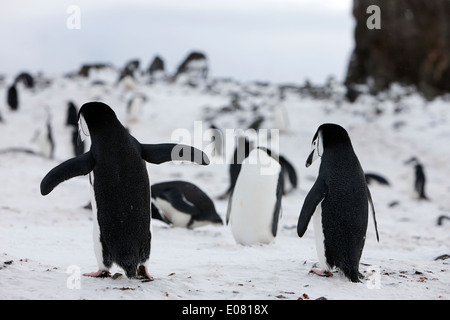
(254, 206)
(183, 204)
(339, 201)
(120, 187)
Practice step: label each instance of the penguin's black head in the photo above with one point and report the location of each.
(95, 115)
(413, 160)
(96, 112)
(326, 136)
(333, 134)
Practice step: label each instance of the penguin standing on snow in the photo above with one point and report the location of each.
(120, 188)
(134, 107)
(44, 139)
(419, 178)
(72, 123)
(12, 97)
(254, 206)
(339, 201)
(183, 204)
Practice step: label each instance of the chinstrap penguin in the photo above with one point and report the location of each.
(120, 187)
(339, 201)
(254, 207)
(419, 178)
(183, 204)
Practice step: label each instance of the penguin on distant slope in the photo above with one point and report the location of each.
(72, 123)
(254, 207)
(12, 98)
(339, 201)
(134, 107)
(419, 178)
(183, 204)
(72, 114)
(120, 188)
(44, 139)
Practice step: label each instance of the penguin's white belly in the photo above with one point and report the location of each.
(98, 250)
(320, 237)
(253, 205)
(44, 143)
(176, 217)
(135, 109)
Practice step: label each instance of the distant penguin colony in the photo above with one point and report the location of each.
(254, 206)
(183, 204)
(120, 188)
(338, 202)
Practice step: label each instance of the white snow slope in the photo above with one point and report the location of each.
(46, 242)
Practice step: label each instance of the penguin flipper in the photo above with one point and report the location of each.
(164, 152)
(373, 213)
(277, 209)
(315, 196)
(78, 166)
(290, 170)
(230, 202)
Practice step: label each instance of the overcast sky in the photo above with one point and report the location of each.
(269, 40)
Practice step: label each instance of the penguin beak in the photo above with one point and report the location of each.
(310, 159)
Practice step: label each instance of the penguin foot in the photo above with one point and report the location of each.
(322, 273)
(98, 274)
(143, 273)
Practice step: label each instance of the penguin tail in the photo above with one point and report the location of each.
(130, 270)
(352, 275)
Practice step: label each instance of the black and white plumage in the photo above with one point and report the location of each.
(419, 178)
(339, 201)
(120, 187)
(290, 179)
(243, 148)
(254, 207)
(183, 204)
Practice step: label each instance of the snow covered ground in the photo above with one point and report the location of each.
(46, 242)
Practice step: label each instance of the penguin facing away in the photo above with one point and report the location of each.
(120, 188)
(339, 201)
(183, 204)
(254, 207)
